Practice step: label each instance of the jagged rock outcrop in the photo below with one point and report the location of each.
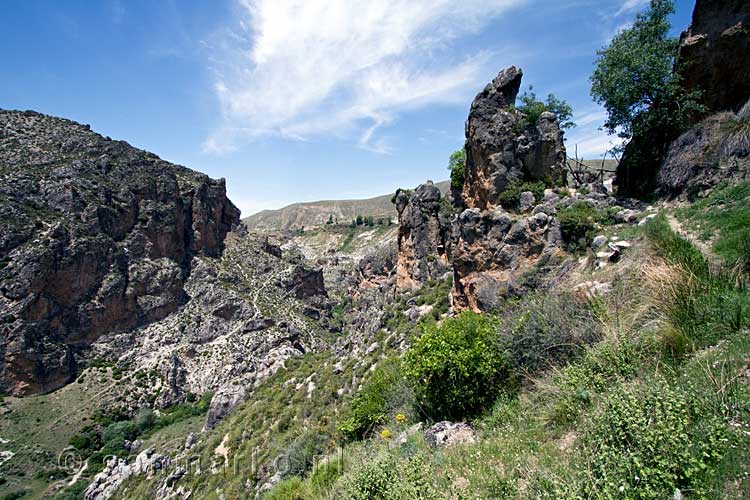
(714, 53)
(226, 399)
(96, 236)
(708, 154)
(501, 146)
(422, 231)
(492, 249)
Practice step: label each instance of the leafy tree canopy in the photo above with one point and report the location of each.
(533, 108)
(457, 167)
(634, 74)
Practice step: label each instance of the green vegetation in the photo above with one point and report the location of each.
(624, 416)
(457, 168)
(533, 108)
(384, 395)
(459, 367)
(108, 435)
(726, 214)
(511, 196)
(703, 303)
(648, 439)
(645, 102)
(580, 222)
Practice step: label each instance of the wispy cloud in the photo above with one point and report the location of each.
(299, 68)
(629, 6)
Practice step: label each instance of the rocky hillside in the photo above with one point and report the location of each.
(533, 333)
(317, 213)
(97, 236)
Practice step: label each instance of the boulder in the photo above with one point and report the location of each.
(226, 399)
(306, 283)
(444, 434)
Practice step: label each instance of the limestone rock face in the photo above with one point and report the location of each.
(501, 146)
(714, 53)
(490, 250)
(95, 236)
(421, 236)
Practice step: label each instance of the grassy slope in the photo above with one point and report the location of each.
(691, 350)
(661, 403)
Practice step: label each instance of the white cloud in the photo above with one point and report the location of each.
(298, 68)
(631, 5)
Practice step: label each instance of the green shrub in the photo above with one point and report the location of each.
(460, 367)
(511, 196)
(578, 225)
(533, 108)
(612, 360)
(72, 492)
(325, 475)
(386, 477)
(305, 449)
(115, 436)
(385, 393)
(374, 480)
(15, 495)
(647, 441)
(86, 441)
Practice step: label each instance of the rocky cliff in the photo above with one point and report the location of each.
(96, 236)
(488, 248)
(422, 232)
(503, 146)
(714, 53)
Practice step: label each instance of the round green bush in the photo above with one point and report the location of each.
(459, 368)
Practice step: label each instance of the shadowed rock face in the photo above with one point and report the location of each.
(95, 236)
(421, 236)
(714, 54)
(502, 147)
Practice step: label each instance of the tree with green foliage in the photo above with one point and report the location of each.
(645, 103)
(533, 108)
(457, 167)
(460, 367)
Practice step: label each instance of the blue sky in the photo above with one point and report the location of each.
(298, 100)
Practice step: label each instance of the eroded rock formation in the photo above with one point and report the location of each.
(96, 236)
(502, 146)
(421, 236)
(491, 250)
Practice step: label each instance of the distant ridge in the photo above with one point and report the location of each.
(317, 213)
